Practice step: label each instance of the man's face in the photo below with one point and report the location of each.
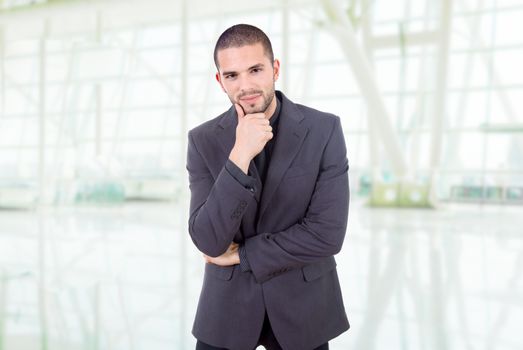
(247, 76)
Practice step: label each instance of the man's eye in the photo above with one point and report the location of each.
(256, 70)
(230, 76)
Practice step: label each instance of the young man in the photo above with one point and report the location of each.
(269, 208)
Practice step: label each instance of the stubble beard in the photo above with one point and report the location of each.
(267, 100)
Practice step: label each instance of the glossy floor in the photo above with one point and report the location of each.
(128, 278)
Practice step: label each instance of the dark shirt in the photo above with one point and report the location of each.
(262, 161)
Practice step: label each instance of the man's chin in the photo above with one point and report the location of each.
(260, 107)
(253, 109)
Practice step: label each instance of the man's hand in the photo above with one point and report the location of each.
(230, 257)
(252, 133)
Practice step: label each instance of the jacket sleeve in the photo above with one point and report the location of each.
(321, 232)
(216, 206)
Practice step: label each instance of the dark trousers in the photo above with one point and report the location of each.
(267, 339)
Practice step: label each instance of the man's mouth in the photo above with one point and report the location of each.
(250, 98)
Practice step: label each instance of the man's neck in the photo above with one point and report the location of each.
(269, 112)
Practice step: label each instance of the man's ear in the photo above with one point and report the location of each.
(219, 80)
(276, 69)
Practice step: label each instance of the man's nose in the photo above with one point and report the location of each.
(245, 83)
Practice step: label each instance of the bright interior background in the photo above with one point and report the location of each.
(96, 98)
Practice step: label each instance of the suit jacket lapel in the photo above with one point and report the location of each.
(226, 130)
(289, 139)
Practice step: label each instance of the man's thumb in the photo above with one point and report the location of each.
(239, 110)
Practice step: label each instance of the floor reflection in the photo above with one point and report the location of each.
(129, 278)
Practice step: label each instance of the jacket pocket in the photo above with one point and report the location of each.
(318, 269)
(222, 272)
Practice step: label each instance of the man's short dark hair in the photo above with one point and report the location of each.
(241, 35)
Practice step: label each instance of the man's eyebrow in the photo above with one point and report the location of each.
(259, 65)
(228, 72)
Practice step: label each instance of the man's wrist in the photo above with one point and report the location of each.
(241, 161)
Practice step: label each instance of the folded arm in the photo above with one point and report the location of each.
(216, 206)
(319, 234)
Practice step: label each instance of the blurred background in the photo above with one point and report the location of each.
(96, 98)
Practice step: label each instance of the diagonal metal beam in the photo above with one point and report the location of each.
(410, 39)
(342, 30)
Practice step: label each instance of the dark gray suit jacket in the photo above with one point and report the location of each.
(290, 249)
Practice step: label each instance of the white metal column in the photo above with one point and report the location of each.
(438, 118)
(41, 114)
(372, 128)
(98, 92)
(183, 204)
(284, 76)
(2, 70)
(42, 198)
